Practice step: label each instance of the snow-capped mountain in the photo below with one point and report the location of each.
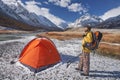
(86, 19)
(8, 18)
(113, 22)
(18, 11)
(4, 8)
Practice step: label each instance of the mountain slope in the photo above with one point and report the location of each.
(8, 21)
(4, 8)
(113, 22)
(16, 10)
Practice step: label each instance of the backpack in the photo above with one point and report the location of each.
(97, 36)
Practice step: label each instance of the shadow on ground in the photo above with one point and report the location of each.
(105, 74)
(68, 58)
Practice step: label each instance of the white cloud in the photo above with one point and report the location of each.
(62, 3)
(33, 2)
(111, 13)
(45, 2)
(44, 12)
(76, 7)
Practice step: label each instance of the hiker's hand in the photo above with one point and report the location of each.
(83, 35)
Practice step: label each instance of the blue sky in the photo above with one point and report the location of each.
(70, 10)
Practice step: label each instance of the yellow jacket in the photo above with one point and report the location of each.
(87, 39)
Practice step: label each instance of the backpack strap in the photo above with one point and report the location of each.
(93, 37)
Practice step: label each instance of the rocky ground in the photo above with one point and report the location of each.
(101, 68)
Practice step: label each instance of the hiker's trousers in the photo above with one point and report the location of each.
(84, 63)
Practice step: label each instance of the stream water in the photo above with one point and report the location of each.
(5, 37)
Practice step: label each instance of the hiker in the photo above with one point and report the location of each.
(85, 56)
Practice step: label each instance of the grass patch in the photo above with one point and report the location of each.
(112, 38)
(109, 50)
(62, 35)
(107, 37)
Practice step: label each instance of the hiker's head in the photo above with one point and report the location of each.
(87, 28)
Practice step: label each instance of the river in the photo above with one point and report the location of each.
(6, 37)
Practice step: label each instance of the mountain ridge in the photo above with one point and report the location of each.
(18, 12)
(113, 22)
(87, 19)
(97, 22)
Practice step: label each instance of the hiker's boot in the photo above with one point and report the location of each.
(78, 69)
(84, 74)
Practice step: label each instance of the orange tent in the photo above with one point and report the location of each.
(39, 53)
